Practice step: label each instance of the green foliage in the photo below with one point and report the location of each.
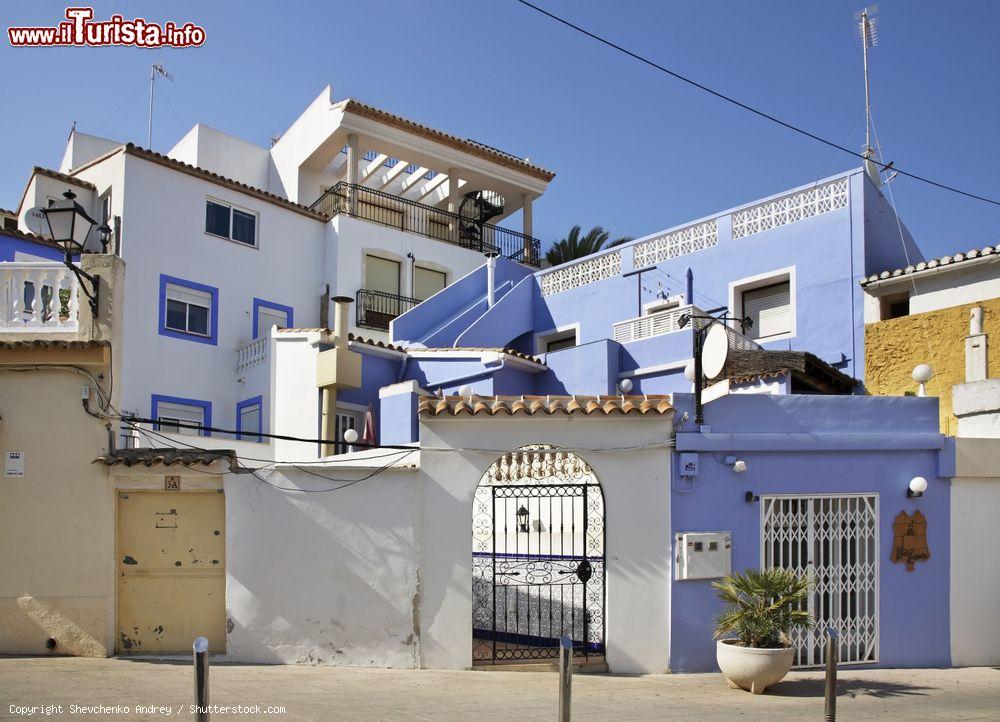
(573, 246)
(762, 606)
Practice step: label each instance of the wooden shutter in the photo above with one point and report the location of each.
(770, 308)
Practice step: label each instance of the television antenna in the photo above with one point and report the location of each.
(154, 70)
(866, 26)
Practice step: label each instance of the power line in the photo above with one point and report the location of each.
(751, 109)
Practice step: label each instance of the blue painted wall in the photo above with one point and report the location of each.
(888, 434)
(11, 245)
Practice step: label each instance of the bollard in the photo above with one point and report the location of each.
(565, 676)
(201, 678)
(831, 675)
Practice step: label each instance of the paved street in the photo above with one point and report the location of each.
(324, 693)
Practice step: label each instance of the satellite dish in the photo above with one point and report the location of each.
(714, 351)
(36, 222)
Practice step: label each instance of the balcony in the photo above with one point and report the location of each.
(654, 324)
(40, 297)
(375, 309)
(251, 354)
(358, 201)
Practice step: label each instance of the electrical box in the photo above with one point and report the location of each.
(702, 555)
(689, 464)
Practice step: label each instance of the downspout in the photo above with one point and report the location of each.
(488, 371)
(328, 423)
(491, 268)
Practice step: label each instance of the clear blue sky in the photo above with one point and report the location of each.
(633, 150)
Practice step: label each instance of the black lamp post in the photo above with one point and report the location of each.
(698, 338)
(69, 225)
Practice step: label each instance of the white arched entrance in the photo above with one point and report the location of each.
(538, 559)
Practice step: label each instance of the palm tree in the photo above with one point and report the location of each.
(762, 606)
(574, 246)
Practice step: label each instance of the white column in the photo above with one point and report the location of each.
(353, 157)
(453, 198)
(527, 225)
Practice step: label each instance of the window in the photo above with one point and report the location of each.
(106, 209)
(267, 314)
(895, 306)
(226, 221)
(347, 419)
(249, 420)
(176, 415)
(188, 310)
(427, 282)
(381, 274)
(769, 301)
(769, 309)
(557, 339)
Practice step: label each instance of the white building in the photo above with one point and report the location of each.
(224, 238)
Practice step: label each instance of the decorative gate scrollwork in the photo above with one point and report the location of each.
(537, 557)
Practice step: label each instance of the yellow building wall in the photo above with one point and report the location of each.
(57, 521)
(895, 346)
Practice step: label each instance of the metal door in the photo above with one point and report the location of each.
(171, 571)
(538, 568)
(833, 539)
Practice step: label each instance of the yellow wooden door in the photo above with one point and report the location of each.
(171, 571)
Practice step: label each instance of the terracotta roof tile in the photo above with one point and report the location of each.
(166, 457)
(56, 175)
(657, 405)
(949, 260)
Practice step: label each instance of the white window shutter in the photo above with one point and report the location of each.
(770, 309)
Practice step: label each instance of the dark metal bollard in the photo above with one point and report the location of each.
(832, 648)
(565, 676)
(200, 647)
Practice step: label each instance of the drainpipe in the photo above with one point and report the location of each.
(328, 428)
(689, 288)
(491, 267)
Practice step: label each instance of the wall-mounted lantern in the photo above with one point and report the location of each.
(522, 519)
(918, 485)
(69, 225)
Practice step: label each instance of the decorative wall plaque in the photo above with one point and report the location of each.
(909, 539)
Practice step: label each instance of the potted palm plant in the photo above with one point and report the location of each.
(762, 607)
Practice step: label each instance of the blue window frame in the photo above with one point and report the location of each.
(189, 310)
(272, 311)
(250, 419)
(179, 409)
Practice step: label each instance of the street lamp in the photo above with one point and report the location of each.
(69, 225)
(522, 518)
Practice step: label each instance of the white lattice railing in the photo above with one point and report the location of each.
(40, 297)
(580, 274)
(251, 354)
(655, 324)
(676, 243)
(789, 209)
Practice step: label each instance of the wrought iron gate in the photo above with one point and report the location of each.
(538, 558)
(834, 539)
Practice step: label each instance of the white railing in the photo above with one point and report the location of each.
(789, 209)
(582, 273)
(251, 354)
(38, 297)
(676, 243)
(655, 324)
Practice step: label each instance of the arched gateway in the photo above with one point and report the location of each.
(537, 558)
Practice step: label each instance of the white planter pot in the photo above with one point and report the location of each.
(753, 670)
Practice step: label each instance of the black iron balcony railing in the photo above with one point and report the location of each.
(389, 210)
(375, 309)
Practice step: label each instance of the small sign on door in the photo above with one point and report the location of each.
(13, 463)
(172, 483)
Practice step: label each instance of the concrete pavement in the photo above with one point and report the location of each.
(334, 693)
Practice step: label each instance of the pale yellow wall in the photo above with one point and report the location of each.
(894, 347)
(56, 522)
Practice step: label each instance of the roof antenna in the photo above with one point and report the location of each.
(866, 25)
(154, 70)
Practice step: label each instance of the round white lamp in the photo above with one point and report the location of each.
(922, 373)
(918, 485)
(465, 391)
(689, 371)
(351, 436)
(625, 385)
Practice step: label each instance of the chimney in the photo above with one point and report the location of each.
(491, 284)
(336, 368)
(975, 347)
(341, 320)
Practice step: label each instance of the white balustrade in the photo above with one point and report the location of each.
(251, 354)
(791, 208)
(38, 297)
(654, 324)
(579, 274)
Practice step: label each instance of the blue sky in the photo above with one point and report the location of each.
(634, 150)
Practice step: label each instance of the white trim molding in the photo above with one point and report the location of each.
(737, 288)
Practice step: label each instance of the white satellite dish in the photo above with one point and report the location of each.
(36, 222)
(714, 351)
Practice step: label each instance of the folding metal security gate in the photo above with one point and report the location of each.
(833, 539)
(538, 559)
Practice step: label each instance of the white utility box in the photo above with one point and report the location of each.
(702, 554)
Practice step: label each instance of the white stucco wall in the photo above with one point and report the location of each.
(975, 577)
(943, 287)
(636, 486)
